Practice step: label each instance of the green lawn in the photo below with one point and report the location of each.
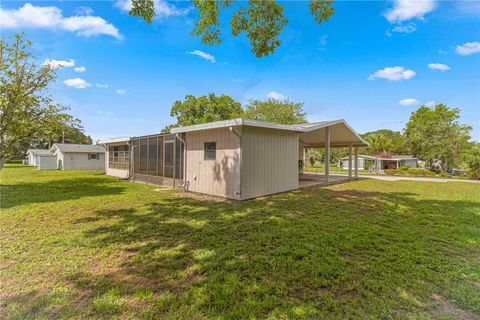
(85, 245)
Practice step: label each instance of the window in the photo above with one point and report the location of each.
(93, 156)
(118, 157)
(210, 150)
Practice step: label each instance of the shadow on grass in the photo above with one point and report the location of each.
(313, 253)
(23, 193)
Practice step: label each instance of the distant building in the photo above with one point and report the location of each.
(32, 155)
(78, 156)
(393, 162)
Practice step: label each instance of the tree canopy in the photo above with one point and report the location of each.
(209, 108)
(277, 111)
(435, 133)
(27, 111)
(261, 20)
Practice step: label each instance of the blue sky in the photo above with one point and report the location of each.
(372, 64)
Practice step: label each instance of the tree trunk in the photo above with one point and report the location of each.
(2, 162)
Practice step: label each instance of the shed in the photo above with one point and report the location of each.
(78, 156)
(33, 153)
(46, 162)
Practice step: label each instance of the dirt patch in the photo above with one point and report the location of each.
(446, 307)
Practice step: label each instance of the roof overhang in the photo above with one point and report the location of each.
(311, 134)
(114, 140)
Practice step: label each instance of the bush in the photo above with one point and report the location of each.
(404, 168)
(409, 172)
(14, 161)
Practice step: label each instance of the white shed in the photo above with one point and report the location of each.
(33, 153)
(79, 156)
(46, 162)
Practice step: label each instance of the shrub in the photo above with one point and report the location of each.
(404, 168)
(409, 172)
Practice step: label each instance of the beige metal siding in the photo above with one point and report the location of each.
(217, 177)
(269, 161)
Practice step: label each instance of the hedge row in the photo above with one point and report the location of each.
(409, 172)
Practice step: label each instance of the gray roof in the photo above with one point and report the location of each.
(305, 127)
(37, 152)
(300, 128)
(82, 148)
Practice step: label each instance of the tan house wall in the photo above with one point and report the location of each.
(269, 161)
(217, 177)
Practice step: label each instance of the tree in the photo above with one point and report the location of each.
(26, 109)
(277, 111)
(261, 20)
(378, 144)
(395, 141)
(473, 162)
(204, 109)
(435, 133)
(313, 155)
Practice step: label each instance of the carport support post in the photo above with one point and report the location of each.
(327, 154)
(356, 162)
(349, 160)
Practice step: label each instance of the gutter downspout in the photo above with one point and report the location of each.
(185, 183)
(239, 184)
(131, 164)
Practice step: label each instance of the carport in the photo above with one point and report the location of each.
(330, 134)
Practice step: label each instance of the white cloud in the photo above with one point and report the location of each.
(393, 74)
(163, 9)
(276, 95)
(84, 11)
(80, 69)
(203, 55)
(121, 92)
(409, 102)
(438, 66)
(59, 63)
(430, 103)
(77, 83)
(468, 48)
(408, 28)
(99, 85)
(51, 18)
(404, 10)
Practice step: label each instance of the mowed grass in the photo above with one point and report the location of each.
(85, 245)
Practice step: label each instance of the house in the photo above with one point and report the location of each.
(382, 163)
(236, 159)
(78, 156)
(33, 153)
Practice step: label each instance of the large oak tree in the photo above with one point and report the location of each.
(261, 20)
(26, 109)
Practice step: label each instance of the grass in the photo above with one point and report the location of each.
(84, 245)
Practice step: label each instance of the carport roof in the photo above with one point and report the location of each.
(341, 135)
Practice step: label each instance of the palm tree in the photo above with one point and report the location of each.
(378, 143)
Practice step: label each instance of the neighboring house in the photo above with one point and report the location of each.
(382, 163)
(237, 159)
(78, 156)
(33, 153)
